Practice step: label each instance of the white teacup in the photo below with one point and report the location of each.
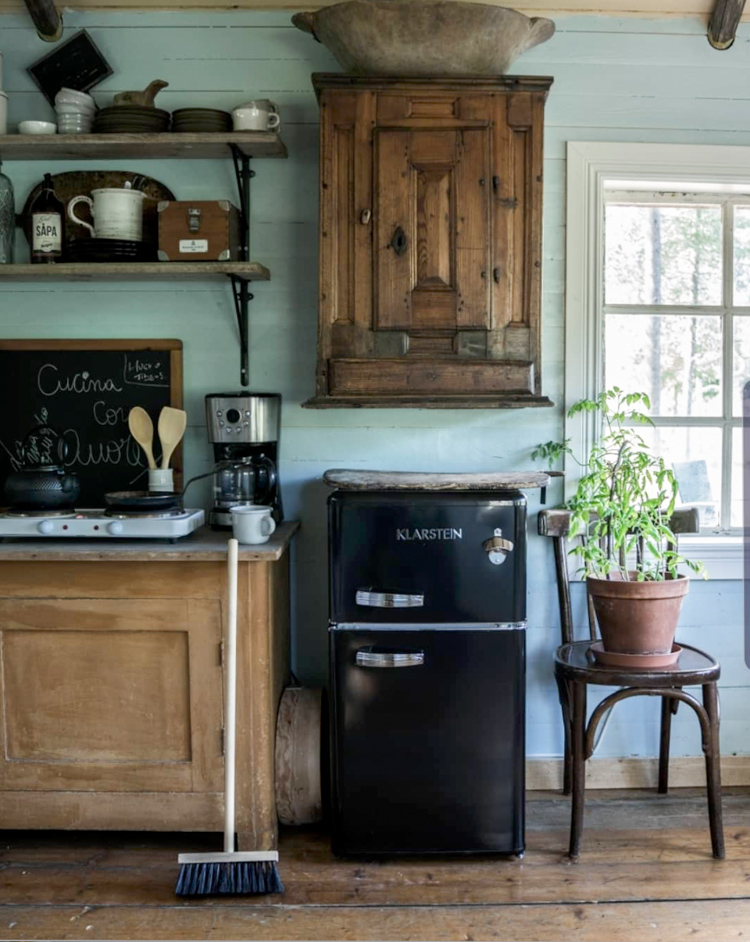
(252, 523)
(117, 213)
(260, 115)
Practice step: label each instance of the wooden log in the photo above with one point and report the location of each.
(724, 22)
(46, 18)
(298, 756)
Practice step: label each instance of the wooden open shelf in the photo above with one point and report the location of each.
(139, 146)
(135, 271)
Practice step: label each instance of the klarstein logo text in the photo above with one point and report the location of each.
(439, 533)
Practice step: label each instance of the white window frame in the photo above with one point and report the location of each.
(591, 165)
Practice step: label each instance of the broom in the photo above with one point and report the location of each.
(231, 872)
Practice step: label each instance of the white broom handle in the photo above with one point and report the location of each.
(231, 704)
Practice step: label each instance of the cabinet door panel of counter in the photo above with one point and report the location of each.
(111, 695)
(431, 229)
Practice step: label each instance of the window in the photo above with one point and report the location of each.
(658, 300)
(676, 309)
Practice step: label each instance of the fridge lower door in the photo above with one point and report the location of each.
(427, 739)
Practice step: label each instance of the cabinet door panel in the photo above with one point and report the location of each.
(110, 695)
(433, 229)
(396, 261)
(346, 208)
(517, 225)
(472, 231)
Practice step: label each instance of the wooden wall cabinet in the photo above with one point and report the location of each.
(430, 242)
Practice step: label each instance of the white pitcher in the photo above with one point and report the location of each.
(117, 213)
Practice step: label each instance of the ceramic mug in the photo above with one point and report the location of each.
(117, 213)
(260, 115)
(252, 523)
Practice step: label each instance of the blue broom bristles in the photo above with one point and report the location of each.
(245, 878)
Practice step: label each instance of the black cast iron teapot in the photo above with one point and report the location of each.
(42, 483)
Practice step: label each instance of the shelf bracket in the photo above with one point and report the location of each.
(240, 288)
(242, 298)
(244, 175)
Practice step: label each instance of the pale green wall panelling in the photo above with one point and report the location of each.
(615, 79)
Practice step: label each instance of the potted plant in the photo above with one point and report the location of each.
(621, 510)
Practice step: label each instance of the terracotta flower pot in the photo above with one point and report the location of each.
(638, 617)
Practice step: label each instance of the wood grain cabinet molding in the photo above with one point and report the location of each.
(430, 242)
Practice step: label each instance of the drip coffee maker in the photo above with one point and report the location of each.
(244, 430)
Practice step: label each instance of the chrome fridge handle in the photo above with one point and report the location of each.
(367, 658)
(388, 599)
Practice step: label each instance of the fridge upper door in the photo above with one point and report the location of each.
(427, 557)
(428, 741)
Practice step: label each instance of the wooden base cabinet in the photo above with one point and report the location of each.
(111, 694)
(430, 241)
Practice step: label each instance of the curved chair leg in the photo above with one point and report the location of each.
(578, 769)
(713, 769)
(666, 729)
(567, 756)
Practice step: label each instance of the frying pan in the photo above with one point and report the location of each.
(150, 500)
(144, 500)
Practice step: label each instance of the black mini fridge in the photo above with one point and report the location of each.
(427, 656)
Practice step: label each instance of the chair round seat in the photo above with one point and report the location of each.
(575, 662)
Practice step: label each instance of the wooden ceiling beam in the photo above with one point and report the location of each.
(724, 22)
(46, 18)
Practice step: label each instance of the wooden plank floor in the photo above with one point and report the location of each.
(646, 874)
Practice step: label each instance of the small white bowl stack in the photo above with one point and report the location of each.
(75, 111)
(3, 102)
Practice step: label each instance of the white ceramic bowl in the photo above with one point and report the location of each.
(75, 118)
(37, 127)
(71, 96)
(68, 122)
(70, 107)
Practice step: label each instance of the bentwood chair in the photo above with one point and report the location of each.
(575, 670)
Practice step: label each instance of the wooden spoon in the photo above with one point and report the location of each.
(142, 429)
(172, 424)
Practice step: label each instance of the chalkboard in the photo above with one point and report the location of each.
(76, 63)
(85, 389)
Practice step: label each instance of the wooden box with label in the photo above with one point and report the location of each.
(203, 230)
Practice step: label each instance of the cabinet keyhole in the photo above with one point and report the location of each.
(399, 243)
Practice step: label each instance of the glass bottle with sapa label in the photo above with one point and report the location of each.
(47, 219)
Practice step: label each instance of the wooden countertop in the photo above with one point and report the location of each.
(205, 545)
(350, 480)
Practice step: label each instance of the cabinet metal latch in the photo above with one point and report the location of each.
(194, 219)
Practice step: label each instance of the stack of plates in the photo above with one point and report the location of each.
(201, 120)
(131, 119)
(109, 250)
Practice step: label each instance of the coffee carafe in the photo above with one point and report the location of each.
(244, 430)
(246, 481)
